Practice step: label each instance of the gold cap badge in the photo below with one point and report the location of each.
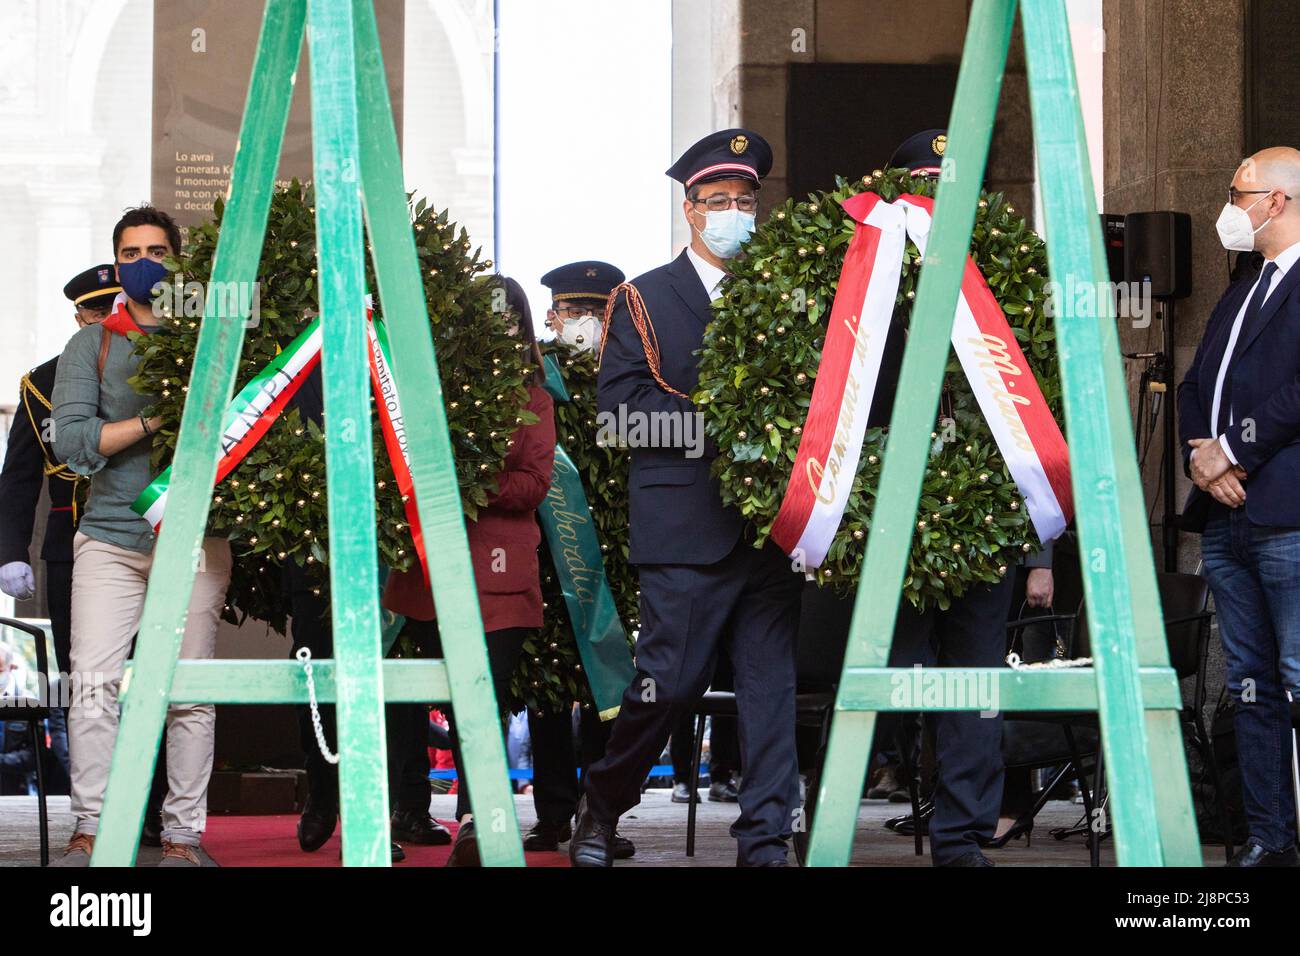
(939, 144)
(739, 144)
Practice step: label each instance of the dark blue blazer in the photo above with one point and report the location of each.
(1264, 384)
(676, 510)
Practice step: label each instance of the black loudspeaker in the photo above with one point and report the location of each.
(1112, 234)
(1158, 249)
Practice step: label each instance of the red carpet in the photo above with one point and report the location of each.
(273, 841)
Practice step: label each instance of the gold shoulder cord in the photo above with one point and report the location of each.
(644, 328)
(52, 468)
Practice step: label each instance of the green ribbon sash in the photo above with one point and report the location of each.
(566, 521)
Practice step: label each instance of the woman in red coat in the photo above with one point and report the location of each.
(503, 543)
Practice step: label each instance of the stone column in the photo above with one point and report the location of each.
(1174, 97)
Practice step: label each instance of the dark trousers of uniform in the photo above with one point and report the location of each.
(313, 629)
(58, 597)
(748, 603)
(724, 741)
(556, 760)
(968, 747)
(408, 724)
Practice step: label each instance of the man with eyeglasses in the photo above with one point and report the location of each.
(1239, 420)
(703, 584)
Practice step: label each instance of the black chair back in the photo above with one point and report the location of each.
(25, 707)
(1183, 601)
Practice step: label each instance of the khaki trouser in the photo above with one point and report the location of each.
(108, 588)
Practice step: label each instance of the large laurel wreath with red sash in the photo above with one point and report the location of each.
(270, 497)
(790, 369)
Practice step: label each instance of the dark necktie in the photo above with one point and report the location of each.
(1243, 335)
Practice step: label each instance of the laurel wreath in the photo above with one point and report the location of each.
(273, 506)
(759, 364)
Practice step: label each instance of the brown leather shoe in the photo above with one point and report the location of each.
(78, 850)
(178, 854)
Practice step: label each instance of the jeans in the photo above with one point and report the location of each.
(1254, 572)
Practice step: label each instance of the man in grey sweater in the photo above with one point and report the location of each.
(100, 430)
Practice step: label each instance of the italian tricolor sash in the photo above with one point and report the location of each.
(259, 403)
(1003, 384)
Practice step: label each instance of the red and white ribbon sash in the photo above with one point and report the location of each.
(393, 425)
(830, 446)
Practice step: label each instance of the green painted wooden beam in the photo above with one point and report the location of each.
(920, 379)
(997, 689)
(349, 451)
(179, 546)
(283, 682)
(415, 370)
(1119, 574)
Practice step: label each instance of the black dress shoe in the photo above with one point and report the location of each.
(622, 847)
(547, 837)
(592, 843)
(464, 852)
(724, 791)
(973, 858)
(316, 825)
(1252, 854)
(906, 826)
(415, 827)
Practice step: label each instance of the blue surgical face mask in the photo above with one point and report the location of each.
(724, 232)
(139, 277)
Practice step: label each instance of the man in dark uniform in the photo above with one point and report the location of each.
(308, 606)
(703, 584)
(579, 294)
(970, 633)
(29, 463)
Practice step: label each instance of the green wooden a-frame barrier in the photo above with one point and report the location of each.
(1132, 686)
(356, 168)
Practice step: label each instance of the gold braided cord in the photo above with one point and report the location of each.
(51, 468)
(644, 327)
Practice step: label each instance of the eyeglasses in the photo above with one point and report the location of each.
(720, 202)
(576, 311)
(1234, 193)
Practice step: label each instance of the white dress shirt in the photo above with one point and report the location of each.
(710, 275)
(1284, 261)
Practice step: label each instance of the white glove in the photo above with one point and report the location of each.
(16, 580)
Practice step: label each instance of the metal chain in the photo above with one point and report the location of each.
(304, 655)
(1056, 664)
